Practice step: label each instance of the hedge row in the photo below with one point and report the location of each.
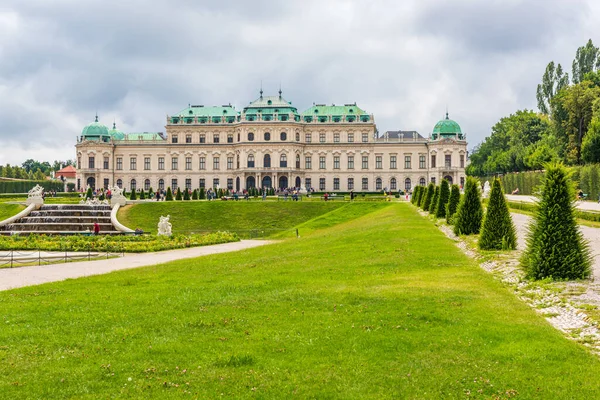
(527, 182)
(531, 207)
(26, 186)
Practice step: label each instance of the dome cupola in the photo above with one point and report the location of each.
(95, 131)
(115, 133)
(446, 128)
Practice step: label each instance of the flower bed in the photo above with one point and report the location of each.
(113, 244)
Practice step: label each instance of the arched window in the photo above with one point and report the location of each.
(422, 181)
(251, 137)
(147, 184)
(267, 136)
(407, 184)
(161, 184)
(267, 161)
(378, 184)
(297, 162)
(250, 160)
(297, 137)
(120, 183)
(393, 185)
(133, 185)
(283, 161)
(283, 136)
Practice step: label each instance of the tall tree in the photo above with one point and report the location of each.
(590, 147)
(586, 60)
(553, 80)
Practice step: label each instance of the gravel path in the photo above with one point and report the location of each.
(591, 234)
(11, 278)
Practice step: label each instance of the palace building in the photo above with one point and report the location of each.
(270, 144)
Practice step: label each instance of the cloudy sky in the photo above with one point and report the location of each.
(404, 61)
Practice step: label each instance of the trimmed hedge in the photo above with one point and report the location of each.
(26, 186)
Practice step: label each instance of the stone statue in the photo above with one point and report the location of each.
(486, 189)
(164, 226)
(117, 196)
(35, 195)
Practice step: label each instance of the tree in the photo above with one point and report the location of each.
(178, 194)
(169, 195)
(195, 194)
(142, 194)
(133, 195)
(555, 246)
(452, 203)
(186, 194)
(202, 194)
(497, 231)
(428, 196)
(440, 211)
(467, 220)
(415, 196)
(553, 80)
(590, 147)
(89, 194)
(39, 175)
(586, 60)
(434, 200)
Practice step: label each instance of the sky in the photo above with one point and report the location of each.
(134, 62)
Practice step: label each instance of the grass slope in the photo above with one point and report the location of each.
(9, 210)
(240, 216)
(383, 306)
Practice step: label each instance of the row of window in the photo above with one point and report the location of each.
(282, 162)
(267, 137)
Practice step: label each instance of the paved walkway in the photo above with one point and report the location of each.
(581, 205)
(522, 221)
(11, 278)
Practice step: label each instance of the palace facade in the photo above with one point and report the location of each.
(270, 144)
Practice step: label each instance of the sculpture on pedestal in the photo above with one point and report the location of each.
(164, 226)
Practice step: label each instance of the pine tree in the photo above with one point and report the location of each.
(142, 194)
(133, 195)
(428, 196)
(467, 220)
(432, 205)
(202, 194)
(150, 193)
(497, 230)
(440, 211)
(186, 194)
(452, 204)
(555, 246)
(89, 194)
(178, 194)
(415, 195)
(169, 195)
(195, 194)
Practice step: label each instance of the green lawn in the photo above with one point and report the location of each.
(242, 217)
(382, 306)
(9, 210)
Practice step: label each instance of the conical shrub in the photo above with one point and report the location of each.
(555, 246)
(202, 194)
(428, 196)
(142, 194)
(150, 193)
(415, 194)
(178, 194)
(497, 230)
(440, 211)
(467, 220)
(169, 195)
(419, 195)
(89, 194)
(434, 199)
(133, 195)
(452, 203)
(186, 194)
(195, 194)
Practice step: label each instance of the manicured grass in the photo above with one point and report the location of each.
(9, 210)
(247, 218)
(383, 306)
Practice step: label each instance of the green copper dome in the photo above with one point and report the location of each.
(446, 127)
(95, 131)
(115, 133)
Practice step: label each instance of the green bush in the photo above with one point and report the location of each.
(467, 220)
(26, 186)
(497, 231)
(101, 197)
(556, 248)
(186, 194)
(142, 194)
(195, 194)
(442, 202)
(428, 197)
(151, 193)
(434, 199)
(417, 195)
(89, 194)
(133, 195)
(452, 203)
(169, 195)
(178, 194)
(202, 194)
